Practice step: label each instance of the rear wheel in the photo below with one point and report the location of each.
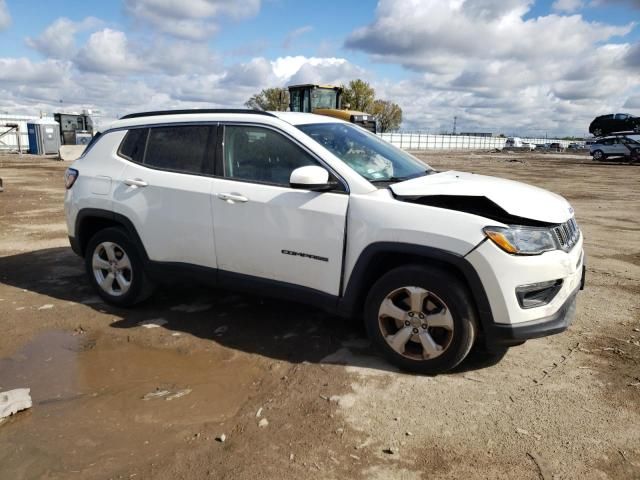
(115, 268)
(597, 132)
(421, 319)
(599, 155)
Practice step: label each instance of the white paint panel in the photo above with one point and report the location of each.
(251, 236)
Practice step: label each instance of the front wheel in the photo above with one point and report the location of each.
(599, 155)
(115, 269)
(421, 319)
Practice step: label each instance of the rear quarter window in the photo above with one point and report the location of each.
(133, 144)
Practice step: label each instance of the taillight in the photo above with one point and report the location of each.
(70, 177)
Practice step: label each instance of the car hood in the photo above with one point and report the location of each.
(515, 198)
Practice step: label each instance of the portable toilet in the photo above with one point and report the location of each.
(44, 136)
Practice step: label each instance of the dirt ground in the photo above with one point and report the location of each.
(114, 398)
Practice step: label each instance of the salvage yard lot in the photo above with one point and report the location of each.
(117, 399)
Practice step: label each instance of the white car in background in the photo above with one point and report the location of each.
(316, 210)
(517, 142)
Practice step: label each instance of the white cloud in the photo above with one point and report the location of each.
(494, 66)
(58, 39)
(294, 35)
(568, 6)
(605, 3)
(107, 51)
(22, 71)
(423, 35)
(189, 19)
(633, 102)
(178, 57)
(5, 17)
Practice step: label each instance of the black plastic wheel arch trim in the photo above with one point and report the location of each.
(349, 303)
(86, 213)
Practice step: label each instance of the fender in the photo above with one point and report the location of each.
(360, 280)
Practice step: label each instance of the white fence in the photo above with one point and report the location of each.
(9, 142)
(424, 141)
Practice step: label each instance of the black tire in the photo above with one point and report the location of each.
(599, 156)
(597, 132)
(140, 287)
(446, 288)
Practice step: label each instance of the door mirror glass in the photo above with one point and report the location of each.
(311, 178)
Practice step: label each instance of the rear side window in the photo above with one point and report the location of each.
(180, 148)
(132, 146)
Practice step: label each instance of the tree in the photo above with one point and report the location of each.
(275, 99)
(389, 115)
(359, 95)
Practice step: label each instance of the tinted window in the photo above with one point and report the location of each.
(261, 155)
(181, 148)
(132, 146)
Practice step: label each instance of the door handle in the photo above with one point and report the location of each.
(135, 182)
(232, 197)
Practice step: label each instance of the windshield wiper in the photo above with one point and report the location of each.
(400, 179)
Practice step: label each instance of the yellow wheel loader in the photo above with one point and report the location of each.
(327, 100)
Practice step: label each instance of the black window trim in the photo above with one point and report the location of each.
(217, 128)
(210, 152)
(220, 158)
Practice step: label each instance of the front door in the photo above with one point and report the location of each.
(263, 227)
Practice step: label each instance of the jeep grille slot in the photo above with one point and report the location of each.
(567, 234)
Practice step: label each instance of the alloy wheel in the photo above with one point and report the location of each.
(112, 268)
(416, 323)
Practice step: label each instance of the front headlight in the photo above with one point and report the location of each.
(522, 240)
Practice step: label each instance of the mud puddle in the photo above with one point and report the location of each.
(97, 400)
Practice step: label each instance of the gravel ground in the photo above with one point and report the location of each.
(115, 398)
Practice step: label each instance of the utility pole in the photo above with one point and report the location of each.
(455, 121)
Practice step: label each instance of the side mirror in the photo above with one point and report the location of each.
(311, 178)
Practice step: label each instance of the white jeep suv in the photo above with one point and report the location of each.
(316, 210)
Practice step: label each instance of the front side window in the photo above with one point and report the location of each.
(180, 148)
(261, 155)
(621, 116)
(370, 156)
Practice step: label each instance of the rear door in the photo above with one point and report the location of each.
(165, 190)
(263, 227)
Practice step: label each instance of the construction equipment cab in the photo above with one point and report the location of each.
(327, 100)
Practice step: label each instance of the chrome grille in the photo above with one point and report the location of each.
(567, 234)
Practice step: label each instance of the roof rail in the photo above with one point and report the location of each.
(196, 110)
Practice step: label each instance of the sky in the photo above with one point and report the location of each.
(524, 67)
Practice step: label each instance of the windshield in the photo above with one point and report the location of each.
(373, 158)
(323, 98)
